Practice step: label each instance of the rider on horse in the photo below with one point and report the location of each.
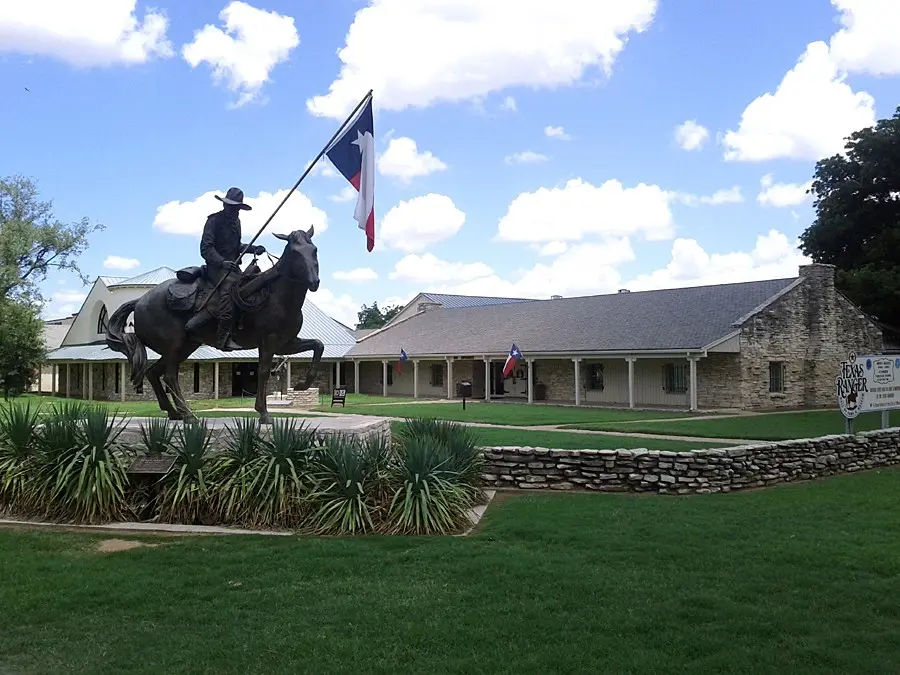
(221, 247)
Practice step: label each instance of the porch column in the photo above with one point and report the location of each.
(54, 384)
(415, 378)
(384, 367)
(90, 380)
(287, 375)
(531, 380)
(487, 379)
(216, 379)
(577, 381)
(337, 380)
(631, 361)
(68, 379)
(449, 378)
(692, 360)
(356, 376)
(122, 383)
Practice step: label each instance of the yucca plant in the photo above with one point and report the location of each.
(280, 476)
(84, 473)
(465, 461)
(157, 436)
(184, 494)
(19, 457)
(427, 497)
(231, 471)
(349, 485)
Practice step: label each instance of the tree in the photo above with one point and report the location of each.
(21, 346)
(857, 225)
(375, 317)
(33, 241)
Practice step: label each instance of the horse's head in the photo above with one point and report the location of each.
(300, 259)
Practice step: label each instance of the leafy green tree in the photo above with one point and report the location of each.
(857, 225)
(375, 317)
(21, 346)
(33, 241)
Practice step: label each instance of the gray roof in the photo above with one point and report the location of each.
(151, 278)
(457, 301)
(316, 324)
(110, 281)
(674, 319)
(54, 334)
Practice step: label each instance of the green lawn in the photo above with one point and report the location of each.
(570, 441)
(795, 579)
(520, 414)
(773, 426)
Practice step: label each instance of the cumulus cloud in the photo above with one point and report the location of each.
(525, 157)
(417, 223)
(348, 193)
(356, 276)
(115, 262)
(341, 308)
(63, 303)
(556, 132)
(781, 195)
(867, 42)
(580, 209)
(244, 54)
(690, 135)
(467, 49)
(109, 33)
(403, 160)
(429, 269)
(509, 103)
(730, 195)
(298, 213)
(808, 117)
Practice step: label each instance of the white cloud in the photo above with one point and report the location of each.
(867, 42)
(690, 135)
(781, 195)
(552, 248)
(419, 222)
(348, 193)
(106, 33)
(403, 160)
(341, 308)
(115, 262)
(773, 257)
(509, 103)
(243, 55)
(730, 195)
(298, 213)
(416, 54)
(807, 118)
(63, 303)
(580, 209)
(556, 132)
(525, 157)
(356, 276)
(429, 269)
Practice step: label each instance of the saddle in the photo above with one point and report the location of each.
(193, 284)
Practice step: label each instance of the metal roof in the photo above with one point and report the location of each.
(674, 319)
(110, 281)
(151, 278)
(449, 301)
(54, 333)
(316, 324)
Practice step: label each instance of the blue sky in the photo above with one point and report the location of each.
(524, 148)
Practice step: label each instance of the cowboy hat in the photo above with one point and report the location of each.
(235, 197)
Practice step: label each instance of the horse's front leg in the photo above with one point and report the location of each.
(300, 345)
(265, 366)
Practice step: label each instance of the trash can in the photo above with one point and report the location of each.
(464, 389)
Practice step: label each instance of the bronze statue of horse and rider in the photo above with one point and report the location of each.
(198, 308)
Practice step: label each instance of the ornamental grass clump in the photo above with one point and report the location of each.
(231, 472)
(19, 458)
(184, 492)
(157, 436)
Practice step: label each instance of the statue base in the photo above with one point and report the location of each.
(294, 398)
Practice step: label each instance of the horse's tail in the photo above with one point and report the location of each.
(127, 343)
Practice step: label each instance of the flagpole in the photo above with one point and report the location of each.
(291, 191)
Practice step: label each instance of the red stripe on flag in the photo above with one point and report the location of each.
(355, 181)
(370, 231)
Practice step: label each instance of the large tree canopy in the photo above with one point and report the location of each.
(857, 225)
(33, 241)
(21, 346)
(375, 317)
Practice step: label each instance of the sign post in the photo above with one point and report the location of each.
(868, 383)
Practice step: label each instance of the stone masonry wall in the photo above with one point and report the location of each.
(700, 471)
(810, 329)
(719, 381)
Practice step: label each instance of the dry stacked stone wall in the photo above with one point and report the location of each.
(697, 472)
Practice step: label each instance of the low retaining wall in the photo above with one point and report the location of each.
(697, 472)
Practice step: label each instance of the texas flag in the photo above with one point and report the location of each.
(514, 355)
(353, 154)
(403, 357)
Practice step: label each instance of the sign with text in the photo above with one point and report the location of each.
(868, 384)
(338, 396)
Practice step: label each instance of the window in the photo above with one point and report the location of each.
(117, 373)
(776, 377)
(595, 376)
(437, 375)
(675, 378)
(103, 377)
(102, 321)
(196, 378)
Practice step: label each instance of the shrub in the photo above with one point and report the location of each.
(231, 471)
(184, 494)
(157, 436)
(19, 457)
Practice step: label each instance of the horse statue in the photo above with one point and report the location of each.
(271, 305)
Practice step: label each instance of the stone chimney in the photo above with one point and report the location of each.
(556, 297)
(428, 307)
(819, 274)
(624, 290)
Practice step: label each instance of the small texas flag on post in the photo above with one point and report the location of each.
(353, 154)
(403, 357)
(514, 355)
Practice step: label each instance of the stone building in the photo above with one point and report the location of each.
(755, 345)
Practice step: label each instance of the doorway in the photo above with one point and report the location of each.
(243, 379)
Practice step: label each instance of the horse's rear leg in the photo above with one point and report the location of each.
(154, 373)
(170, 376)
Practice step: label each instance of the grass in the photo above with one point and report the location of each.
(797, 579)
(519, 414)
(570, 441)
(773, 426)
